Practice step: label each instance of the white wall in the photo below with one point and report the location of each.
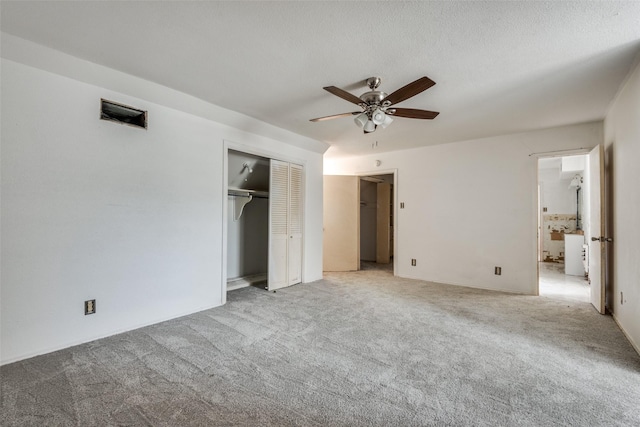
(622, 142)
(130, 217)
(555, 193)
(470, 206)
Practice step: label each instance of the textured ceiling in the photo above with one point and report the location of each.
(500, 67)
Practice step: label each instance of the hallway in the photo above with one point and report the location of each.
(557, 285)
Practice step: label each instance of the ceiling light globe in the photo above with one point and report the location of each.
(378, 117)
(387, 121)
(361, 119)
(369, 126)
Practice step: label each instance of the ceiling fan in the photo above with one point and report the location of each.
(376, 105)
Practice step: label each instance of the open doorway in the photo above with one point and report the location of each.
(564, 215)
(342, 208)
(376, 222)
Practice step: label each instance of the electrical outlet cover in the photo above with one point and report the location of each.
(89, 307)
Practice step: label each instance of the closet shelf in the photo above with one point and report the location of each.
(241, 192)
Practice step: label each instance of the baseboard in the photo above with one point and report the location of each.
(635, 346)
(244, 281)
(482, 288)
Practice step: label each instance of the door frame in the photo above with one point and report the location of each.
(250, 149)
(393, 172)
(537, 217)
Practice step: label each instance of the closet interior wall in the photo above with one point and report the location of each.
(248, 225)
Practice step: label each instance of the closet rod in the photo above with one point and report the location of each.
(247, 195)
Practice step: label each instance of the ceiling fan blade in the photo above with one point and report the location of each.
(335, 116)
(412, 89)
(412, 113)
(343, 94)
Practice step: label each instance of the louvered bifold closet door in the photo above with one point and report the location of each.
(278, 224)
(296, 217)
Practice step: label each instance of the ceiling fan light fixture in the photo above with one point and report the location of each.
(361, 120)
(376, 104)
(387, 121)
(369, 126)
(378, 117)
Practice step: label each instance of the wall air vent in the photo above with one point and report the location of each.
(122, 114)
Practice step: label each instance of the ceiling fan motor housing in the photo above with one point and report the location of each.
(373, 97)
(372, 104)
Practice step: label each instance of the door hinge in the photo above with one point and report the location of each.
(602, 239)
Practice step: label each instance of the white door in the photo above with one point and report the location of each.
(296, 216)
(596, 228)
(278, 224)
(341, 223)
(286, 214)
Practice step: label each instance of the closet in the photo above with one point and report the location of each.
(264, 222)
(376, 219)
(247, 220)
